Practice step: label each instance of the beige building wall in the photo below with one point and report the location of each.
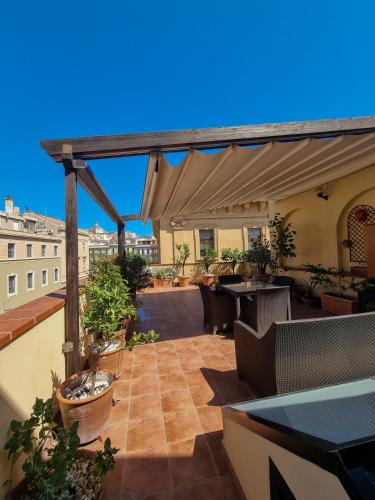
(20, 265)
(30, 366)
(322, 225)
(230, 231)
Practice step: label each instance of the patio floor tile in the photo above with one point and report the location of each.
(145, 406)
(174, 401)
(144, 434)
(190, 461)
(181, 425)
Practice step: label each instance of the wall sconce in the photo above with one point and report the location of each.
(177, 224)
(322, 192)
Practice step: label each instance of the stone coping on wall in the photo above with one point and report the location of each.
(21, 319)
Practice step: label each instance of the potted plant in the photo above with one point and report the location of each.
(259, 257)
(319, 277)
(208, 256)
(184, 253)
(281, 239)
(107, 301)
(233, 256)
(338, 301)
(135, 271)
(53, 466)
(164, 277)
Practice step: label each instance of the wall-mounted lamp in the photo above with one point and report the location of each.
(177, 224)
(322, 192)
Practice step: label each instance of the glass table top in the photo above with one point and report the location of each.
(340, 414)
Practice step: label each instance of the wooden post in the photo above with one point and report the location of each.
(121, 238)
(72, 355)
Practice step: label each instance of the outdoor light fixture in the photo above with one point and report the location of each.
(322, 192)
(175, 223)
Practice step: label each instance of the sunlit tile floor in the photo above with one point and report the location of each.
(167, 418)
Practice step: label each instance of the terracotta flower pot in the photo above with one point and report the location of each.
(183, 280)
(166, 282)
(157, 282)
(335, 304)
(92, 413)
(208, 279)
(111, 361)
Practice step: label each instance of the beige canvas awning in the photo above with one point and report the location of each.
(203, 182)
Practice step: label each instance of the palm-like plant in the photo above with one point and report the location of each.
(184, 254)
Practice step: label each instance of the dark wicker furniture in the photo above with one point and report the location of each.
(219, 310)
(302, 354)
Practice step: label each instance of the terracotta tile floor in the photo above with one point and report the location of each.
(167, 418)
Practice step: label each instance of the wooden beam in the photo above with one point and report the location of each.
(72, 358)
(130, 217)
(121, 239)
(87, 180)
(111, 146)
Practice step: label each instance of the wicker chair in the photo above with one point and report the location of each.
(219, 310)
(302, 354)
(227, 279)
(269, 305)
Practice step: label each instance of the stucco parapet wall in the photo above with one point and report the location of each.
(21, 319)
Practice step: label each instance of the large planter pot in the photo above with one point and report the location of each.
(111, 361)
(183, 280)
(208, 279)
(92, 413)
(335, 304)
(162, 282)
(310, 301)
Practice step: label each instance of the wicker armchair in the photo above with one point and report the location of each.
(268, 306)
(219, 310)
(302, 354)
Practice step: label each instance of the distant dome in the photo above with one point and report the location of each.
(97, 229)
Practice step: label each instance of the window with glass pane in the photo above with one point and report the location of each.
(12, 284)
(56, 274)
(44, 277)
(253, 234)
(206, 238)
(29, 250)
(11, 250)
(30, 281)
(55, 250)
(44, 249)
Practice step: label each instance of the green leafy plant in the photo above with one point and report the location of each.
(184, 254)
(107, 300)
(259, 255)
(342, 283)
(233, 256)
(166, 273)
(142, 338)
(281, 237)
(135, 271)
(52, 466)
(319, 277)
(208, 257)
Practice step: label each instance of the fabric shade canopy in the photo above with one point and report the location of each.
(203, 182)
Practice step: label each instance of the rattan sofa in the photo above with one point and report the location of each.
(219, 310)
(301, 354)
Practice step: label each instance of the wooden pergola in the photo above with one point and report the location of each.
(73, 153)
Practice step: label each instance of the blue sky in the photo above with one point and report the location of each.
(93, 67)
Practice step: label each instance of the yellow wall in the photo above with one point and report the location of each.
(229, 232)
(30, 367)
(320, 224)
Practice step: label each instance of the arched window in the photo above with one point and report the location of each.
(358, 217)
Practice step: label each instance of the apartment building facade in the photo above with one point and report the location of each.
(30, 267)
(32, 255)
